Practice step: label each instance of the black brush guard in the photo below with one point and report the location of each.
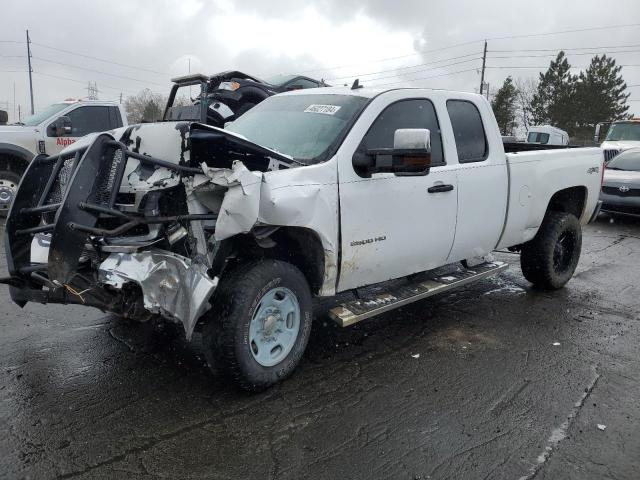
(65, 196)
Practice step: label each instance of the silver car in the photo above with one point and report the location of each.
(621, 185)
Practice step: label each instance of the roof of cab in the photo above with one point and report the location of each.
(371, 92)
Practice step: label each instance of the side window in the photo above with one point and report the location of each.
(416, 113)
(468, 130)
(86, 120)
(115, 120)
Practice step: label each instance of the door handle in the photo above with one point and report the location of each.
(440, 188)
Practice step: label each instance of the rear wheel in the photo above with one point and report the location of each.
(259, 325)
(551, 257)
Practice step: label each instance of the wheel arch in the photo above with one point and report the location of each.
(13, 155)
(299, 246)
(571, 200)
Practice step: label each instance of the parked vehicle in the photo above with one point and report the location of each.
(547, 135)
(310, 193)
(622, 135)
(621, 184)
(228, 95)
(48, 132)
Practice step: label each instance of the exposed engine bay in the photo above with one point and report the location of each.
(137, 221)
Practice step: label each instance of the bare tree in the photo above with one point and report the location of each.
(526, 88)
(146, 106)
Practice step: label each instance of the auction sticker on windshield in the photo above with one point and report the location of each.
(324, 109)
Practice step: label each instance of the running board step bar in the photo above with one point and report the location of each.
(356, 310)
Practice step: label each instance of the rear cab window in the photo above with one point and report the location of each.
(468, 130)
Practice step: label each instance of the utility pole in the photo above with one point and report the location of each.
(30, 70)
(19, 115)
(484, 62)
(120, 97)
(14, 102)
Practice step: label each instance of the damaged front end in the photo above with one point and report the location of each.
(134, 222)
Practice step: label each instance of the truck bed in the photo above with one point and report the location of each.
(536, 175)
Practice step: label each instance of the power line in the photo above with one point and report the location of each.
(564, 49)
(97, 71)
(590, 29)
(420, 52)
(83, 82)
(135, 67)
(571, 53)
(424, 78)
(359, 75)
(415, 71)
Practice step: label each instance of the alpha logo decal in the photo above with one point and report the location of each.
(65, 141)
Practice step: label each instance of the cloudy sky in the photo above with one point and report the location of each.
(125, 46)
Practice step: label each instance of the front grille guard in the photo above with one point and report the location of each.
(65, 195)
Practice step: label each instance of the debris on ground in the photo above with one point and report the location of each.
(601, 427)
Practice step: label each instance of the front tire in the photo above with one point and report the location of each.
(551, 257)
(259, 325)
(9, 182)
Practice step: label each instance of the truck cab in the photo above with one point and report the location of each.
(48, 132)
(621, 136)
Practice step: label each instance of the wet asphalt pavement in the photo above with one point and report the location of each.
(494, 381)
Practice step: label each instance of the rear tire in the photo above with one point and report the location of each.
(259, 325)
(551, 257)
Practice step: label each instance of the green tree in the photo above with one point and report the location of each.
(504, 107)
(555, 99)
(601, 93)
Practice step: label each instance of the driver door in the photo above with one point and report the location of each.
(84, 120)
(395, 224)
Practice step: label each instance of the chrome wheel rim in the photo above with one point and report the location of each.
(8, 190)
(274, 326)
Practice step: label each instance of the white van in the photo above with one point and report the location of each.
(547, 135)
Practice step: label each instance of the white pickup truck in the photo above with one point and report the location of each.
(48, 132)
(310, 193)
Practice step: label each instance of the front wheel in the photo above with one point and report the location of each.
(9, 182)
(551, 257)
(259, 323)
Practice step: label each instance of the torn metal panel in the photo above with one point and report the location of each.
(240, 205)
(305, 197)
(171, 284)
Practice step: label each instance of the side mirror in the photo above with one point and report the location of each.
(60, 127)
(596, 136)
(410, 155)
(412, 150)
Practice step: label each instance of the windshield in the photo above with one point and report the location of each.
(279, 79)
(629, 160)
(39, 117)
(301, 126)
(624, 131)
